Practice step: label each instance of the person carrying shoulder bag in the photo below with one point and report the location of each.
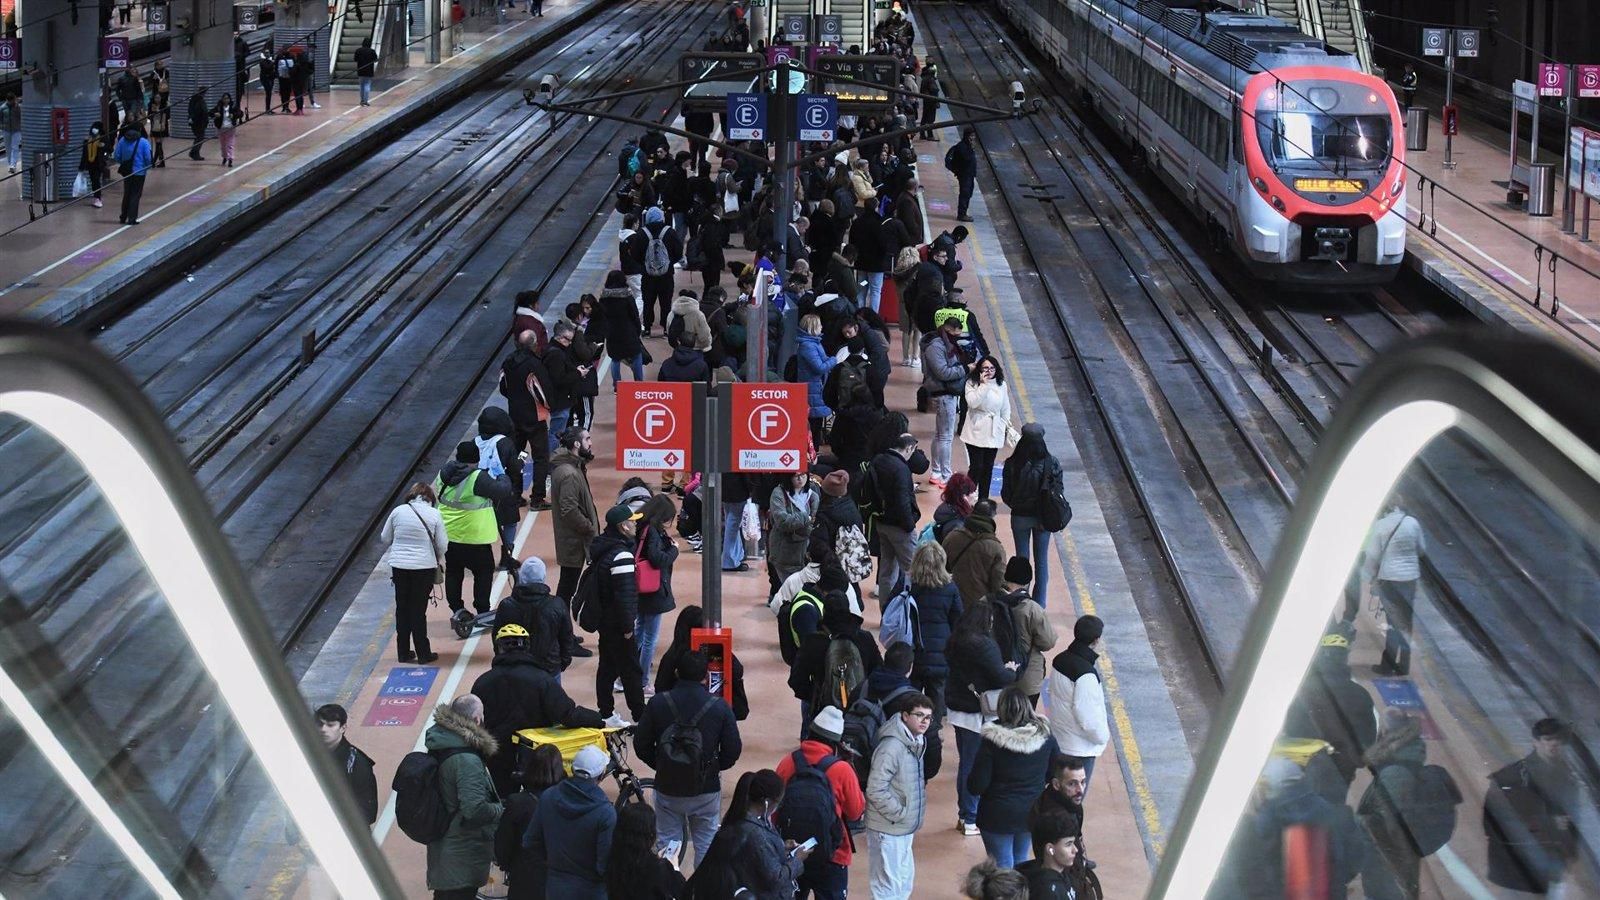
(415, 534)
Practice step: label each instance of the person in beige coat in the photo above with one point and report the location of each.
(977, 558)
(1031, 627)
(696, 332)
(988, 425)
(574, 522)
(861, 183)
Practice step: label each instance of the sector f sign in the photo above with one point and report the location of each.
(770, 429)
(654, 426)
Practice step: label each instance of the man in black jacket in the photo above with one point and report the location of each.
(894, 492)
(1063, 793)
(199, 115)
(532, 605)
(356, 766)
(525, 383)
(962, 161)
(518, 693)
(565, 374)
(689, 805)
(611, 553)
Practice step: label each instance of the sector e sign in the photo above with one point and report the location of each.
(654, 426)
(770, 428)
(747, 117)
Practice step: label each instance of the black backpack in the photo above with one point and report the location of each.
(809, 811)
(1054, 510)
(586, 600)
(680, 754)
(862, 722)
(419, 806)
(675, 332)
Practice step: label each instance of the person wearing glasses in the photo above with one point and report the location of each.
(897, 797)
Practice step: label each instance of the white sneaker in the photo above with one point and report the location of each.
(616, 686)
(916, 362)
(615, 720)
(316, 105)
(969, 829)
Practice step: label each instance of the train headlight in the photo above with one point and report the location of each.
(1277, 203)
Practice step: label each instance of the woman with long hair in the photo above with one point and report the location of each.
(977, 670)
(524, 876)
(793, 507)
(415, 534)
(227, 116)
(1011, 770)
(748, 852)
(938, 611)
(988, 424)
(634, 871)
(1028, 470)
(659, 551)
(690, 618)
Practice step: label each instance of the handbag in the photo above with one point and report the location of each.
(645, 571)
(438, 565)
(988, 702)
(80, 184)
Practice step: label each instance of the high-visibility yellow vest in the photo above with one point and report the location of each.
(468, 518)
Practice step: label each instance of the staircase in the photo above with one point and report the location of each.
(350, 35)
(1337, 23)
(856, 18)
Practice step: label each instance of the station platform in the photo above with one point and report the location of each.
(1138, 783)
(1501, 263)
(70, 266)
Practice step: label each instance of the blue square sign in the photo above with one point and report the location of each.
(747, 117)
(816, 116)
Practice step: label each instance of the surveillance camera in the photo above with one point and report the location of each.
(1017, 96)
(547, 86)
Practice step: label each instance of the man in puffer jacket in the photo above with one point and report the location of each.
(897, 797)
(686, 364)
(534, 607)
(1077, 701)
(944, 376)
(696, 333)
(458, 862)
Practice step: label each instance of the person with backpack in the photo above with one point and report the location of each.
(793, 506)
(1031, 487)
(1528, 815)
(831, 665)
(613, 571)
(620, 328)
(467, 497)
(822, 796)
(570, 836)
(1408, 809)
(456, 795)
(897, 796)
(1032, 629)
(525, 878)
(1078, 717)
(749, 859)
(797, 603)
(891, 489)
(659, 246)
(1287, 806)
(977, 674)
(962, 162)
(689, 737)
(415, 534)
(977, 558)
(517, 694)
(988, 424)
(497, 455)
(688, 326)
(690, 618)
(1012, 767)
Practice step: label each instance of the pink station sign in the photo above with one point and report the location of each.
(1589, 81)
(1552, 80)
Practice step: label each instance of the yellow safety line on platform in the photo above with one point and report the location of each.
(1129, 748)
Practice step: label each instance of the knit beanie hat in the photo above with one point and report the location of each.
(1019, 571)
(532, 571)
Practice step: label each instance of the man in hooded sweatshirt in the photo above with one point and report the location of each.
(977, 559)
(467, 498)
(532, 605)
(1031, 627)
(570, 837)
(517, 693)
(458, 862)
(658, 262)
(1077, 701)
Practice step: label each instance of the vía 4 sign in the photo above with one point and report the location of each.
(770, 428)
(654, 426)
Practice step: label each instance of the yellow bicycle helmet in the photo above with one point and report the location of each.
(512, 630)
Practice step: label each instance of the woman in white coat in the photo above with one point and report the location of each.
(988, 424)
(415, 534)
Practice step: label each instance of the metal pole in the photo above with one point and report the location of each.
(779, 125)
(1568, 209)
(430, 24)
(755, 329)
(711, 515)
(1449, 96)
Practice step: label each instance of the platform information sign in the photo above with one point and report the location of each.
(794, 28)
(249, 18)
(156, 18)
(770, 430)
(778, 54)
(1588, 81)
(830, 29)
(1467, 42)
(654, 426)
(114, 52)
(816, 117)
(10, 54)
(1552, 80)
(747, 117)
(1435, 41)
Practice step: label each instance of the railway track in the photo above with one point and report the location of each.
(397, 276)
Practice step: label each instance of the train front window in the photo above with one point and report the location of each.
(1335, 142)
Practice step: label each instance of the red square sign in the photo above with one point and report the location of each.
(654, 426)
(770, 430)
